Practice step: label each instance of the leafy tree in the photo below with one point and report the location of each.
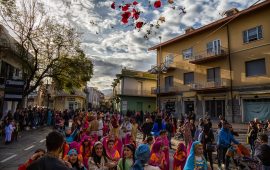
(48, 49)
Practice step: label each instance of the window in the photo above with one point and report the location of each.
(213, 47)
(17, 72)
(213, 74)
(189, 78)
(168, 81)
(187, 53)
(70, 105)
(252, 34)
(169, 60)
(255, 67)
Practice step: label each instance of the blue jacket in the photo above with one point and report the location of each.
(156, 129)
(225, 138)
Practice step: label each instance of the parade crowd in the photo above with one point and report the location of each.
(98, 140)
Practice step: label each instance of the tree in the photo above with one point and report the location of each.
(48, 49)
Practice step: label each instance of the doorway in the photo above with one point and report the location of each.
(189, 106)
(214, 108)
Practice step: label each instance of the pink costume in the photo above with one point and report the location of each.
(165, 142)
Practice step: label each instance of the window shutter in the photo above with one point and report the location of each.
(245, 36)
(259, 32)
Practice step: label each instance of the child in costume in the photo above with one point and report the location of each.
(85, 149)
(196, 160)
(75, 160)
(180, 157)
(111, 151)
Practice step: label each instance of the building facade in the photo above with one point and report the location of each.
(11, 77)
(132, 91)
(94, 98)
(222, 68)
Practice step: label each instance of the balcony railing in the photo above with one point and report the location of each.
(134, 92)
(209, 55)
(163, 90)
(163, 68)
(222, 84)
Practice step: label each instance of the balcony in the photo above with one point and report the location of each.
(163, 68)
(211, 86)
(209, 55)
(134, 92)
(13, 48)
(165, 91)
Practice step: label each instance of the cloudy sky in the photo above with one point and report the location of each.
(112, 45)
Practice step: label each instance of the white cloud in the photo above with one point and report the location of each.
(112, 45)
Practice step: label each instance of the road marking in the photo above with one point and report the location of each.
(29, 147)
(42, 140)
(8, 158)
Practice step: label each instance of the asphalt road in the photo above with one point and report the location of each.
(16, 153)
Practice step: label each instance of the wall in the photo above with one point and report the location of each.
(132, 103)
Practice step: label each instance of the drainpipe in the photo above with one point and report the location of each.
(230, 67)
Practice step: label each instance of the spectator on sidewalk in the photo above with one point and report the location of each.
(262, 151)
(252, 136)
(54, 143)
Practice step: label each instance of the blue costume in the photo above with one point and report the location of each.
(191, 161)
(156, 129)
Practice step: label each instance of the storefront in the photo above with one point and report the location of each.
(256, 108)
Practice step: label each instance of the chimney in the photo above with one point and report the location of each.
(231, 12)
(189, 29)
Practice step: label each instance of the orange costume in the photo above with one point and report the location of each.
(158, 159)
(180, 157)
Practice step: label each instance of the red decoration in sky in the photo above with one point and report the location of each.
(170, 1)
(135, 3)
(157, 4)
(139, 25)
(125, 17)
(125, 7)
(133, 16)
(113, 5)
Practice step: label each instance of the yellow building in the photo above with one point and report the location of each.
(66, 101)
(222, 68)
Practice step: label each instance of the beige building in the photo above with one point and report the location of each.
(222, 68)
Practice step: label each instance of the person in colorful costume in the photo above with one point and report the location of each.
(196, 160)
(166, 144)
(142, 155)
(85, 149)
(127, 161)
(180, 157)
(111, 151)
(75, 160)
(117, 142)
(157, 157)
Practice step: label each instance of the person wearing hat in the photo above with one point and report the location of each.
(75, 160)
(99, 160)
(142, 156)
(127, 161)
